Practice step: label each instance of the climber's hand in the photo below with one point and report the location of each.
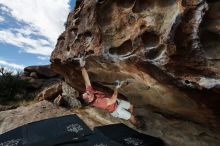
(118, 84)
(82, 62)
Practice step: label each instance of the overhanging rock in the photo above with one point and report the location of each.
(168, 50)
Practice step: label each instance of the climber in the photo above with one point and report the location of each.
(116, 107)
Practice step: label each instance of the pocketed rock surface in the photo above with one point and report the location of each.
(169, 51)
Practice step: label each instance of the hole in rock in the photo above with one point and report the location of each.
(89, 10)
(165, 3)
(131, 19)
(184, 3)
(101, 1)
(104, 13)
(77, 21)
(90, 52)
(212, 1)
(56, 61)
(61, 43)
(142, 5)
(88, 34)
(150, 39)
(68, 48)
(187, 82)
(210, 43)
(74, 31)
(78, 3)
(209, 34)
(154, 53)
(125, 3)
(61, 37)
(142, 27)
(79, 37)
(124, 49)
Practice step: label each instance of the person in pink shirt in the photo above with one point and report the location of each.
(116, 107)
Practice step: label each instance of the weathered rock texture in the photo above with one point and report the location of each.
(40, 76)
(43, 71)
(69, 97)
(168, 50)
(49, 85)
(50, 91)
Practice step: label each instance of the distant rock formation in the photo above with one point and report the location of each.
(50, 86)
(39, 76)
(169, 51)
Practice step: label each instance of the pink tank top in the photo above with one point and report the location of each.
(100, 100)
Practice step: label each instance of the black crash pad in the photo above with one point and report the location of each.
(126, 136)
(57, 130)
(96, 139)
(47, 132)
(15, 137)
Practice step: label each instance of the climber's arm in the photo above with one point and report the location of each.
(113, 98)
(85, 77)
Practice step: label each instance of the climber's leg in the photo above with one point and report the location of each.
(121, 113)
(123, 104)
(133, 120)
(131, 109)
(126, 105)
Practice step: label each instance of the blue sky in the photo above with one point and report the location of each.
(29, 30)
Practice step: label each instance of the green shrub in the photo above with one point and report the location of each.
(11, 85)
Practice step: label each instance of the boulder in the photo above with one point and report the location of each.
(71, 102)
(50, 91)
(34, 75)
(69, 91)
(43, 71)
(67, 101)
(167, 50)
(70, 96)
(35, 83)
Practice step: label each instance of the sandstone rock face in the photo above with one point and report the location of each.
(40, 71)
(50, 91)
(43, 82)
(169, 51)
(39, 76)
(69, 91)
(70, 96)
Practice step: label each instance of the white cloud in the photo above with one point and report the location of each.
(2, 19)
(4, 9)
(47, 16)
(43, 18)
(28, 44)
(12, 66)
(27, 30)
(43, 57)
